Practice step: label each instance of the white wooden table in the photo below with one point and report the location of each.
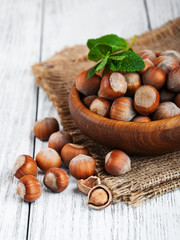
(31, 31)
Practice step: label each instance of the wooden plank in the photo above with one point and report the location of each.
(66, 215)
(19, 49)
(162, 11)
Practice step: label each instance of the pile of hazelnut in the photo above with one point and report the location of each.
(75, 157)
(151, 94)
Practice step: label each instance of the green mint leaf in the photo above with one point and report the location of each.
(112, 40)
(99, 51)
(114, 65)
(131, 63)
(103, 63)
(117, 58)
(92, 71)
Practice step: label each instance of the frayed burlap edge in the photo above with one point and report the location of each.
(150, 176)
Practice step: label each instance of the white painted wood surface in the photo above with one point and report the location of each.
(34, 30)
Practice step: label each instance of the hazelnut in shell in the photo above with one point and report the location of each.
(87, 86)
(70, 150)
(155, 77)
(25, 165)
(100, 106)
(173, 81)
(147, 54)
(45, 127)
(148, 64)
(141, 119)
(171, 53)
(166, 110)
(85, 185)
(133, 83)
(177, 100)
(48, 158)
(117, 162)
(56, 179)
(146, 100)
(82, 166)
(122, 109)
(168, 64)
(88, 100)
(29, 188)
(58, 139)
(113, 85)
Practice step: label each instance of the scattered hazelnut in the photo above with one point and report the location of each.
(25, 165)
(166, 110)
(173, 81)
(56, 179)
(113, 85)
(87, 86)
(45, 127)
(168, 64)
(86, 185)
(155, 77)
(146, 100)
(133, 83)
(117, 163)
(147, 54)
(70, 150)
(88, 100)
(177, 100)
(122, 109)
(48, 158)
(166, 95)
(100, 106)
(148, 64)
(141, 119)
(82, 166)
(99, 197)
(58, 139)
(171, 53)
(29, 188)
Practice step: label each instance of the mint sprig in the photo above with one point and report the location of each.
(104, 51)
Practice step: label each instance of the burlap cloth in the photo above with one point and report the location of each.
(150, 176)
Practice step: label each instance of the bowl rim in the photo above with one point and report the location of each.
(99, 119)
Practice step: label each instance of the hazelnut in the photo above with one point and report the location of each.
(148, 64)
(133, 82)
(86, 185)
(171, 53)
(158, 60)
(117, 163)
(100, 106)
(82, 166)
(146, 100)
(141, 119)
(58, 139)
(113, 85)
(122, 109)
(168, 64)
(29, 188)
(45, 127)
(88, 100)
(155, 77)
(87, 86)
(70, 150)
(173, 81)
(56, 179)
(25, 165)
(48, 158)
(147, 54)
(99, 197)
(166, 95)
(166, 110)
(177, 100)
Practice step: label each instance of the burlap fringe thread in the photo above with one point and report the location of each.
(150, 176)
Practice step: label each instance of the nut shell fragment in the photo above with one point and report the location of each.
(86, 185)
(99, 197)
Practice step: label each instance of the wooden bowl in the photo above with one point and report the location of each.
(156, 137)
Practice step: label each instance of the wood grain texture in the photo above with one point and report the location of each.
(152, 138)
(19, 48)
